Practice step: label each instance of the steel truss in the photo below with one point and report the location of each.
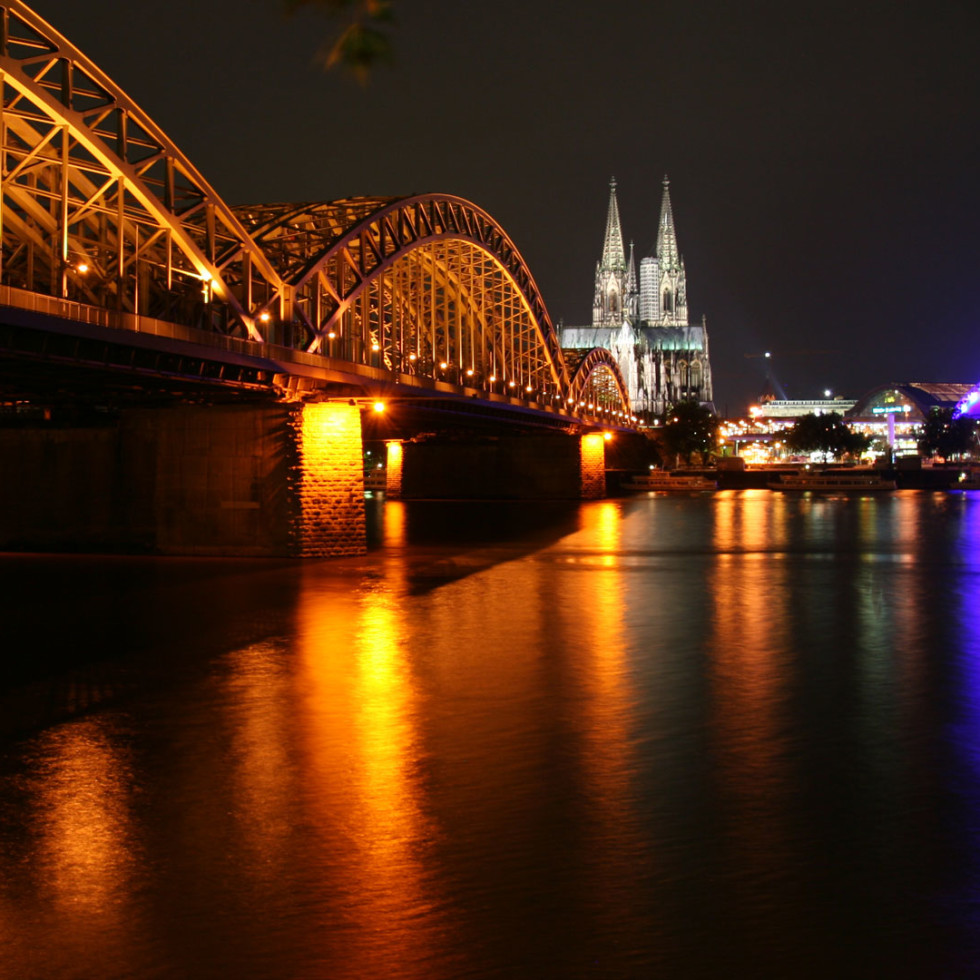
(428, 285)
(99, 207)
(597, 386)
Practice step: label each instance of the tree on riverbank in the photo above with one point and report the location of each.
(689, 428)
(827, 434)
(945, 436)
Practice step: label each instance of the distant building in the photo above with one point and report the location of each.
(909, 402)
(781, 408)
(895, 411)
(644, 321)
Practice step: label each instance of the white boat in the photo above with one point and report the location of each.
(664, 480)
(832, 482)
(375, 480)
(967, 481)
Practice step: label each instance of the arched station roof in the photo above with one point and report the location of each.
(908, 400)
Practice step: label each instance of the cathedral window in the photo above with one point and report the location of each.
(668, 302)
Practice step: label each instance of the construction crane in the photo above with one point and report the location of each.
(768, 357)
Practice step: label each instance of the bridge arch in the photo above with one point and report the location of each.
(597, 386)
(426, 284)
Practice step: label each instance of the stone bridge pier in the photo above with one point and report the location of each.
(252, 480)
(249, 480)
(557, 467)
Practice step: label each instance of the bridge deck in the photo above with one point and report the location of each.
(59, 348)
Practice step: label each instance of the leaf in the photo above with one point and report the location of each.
(358, 49)
(359, 45)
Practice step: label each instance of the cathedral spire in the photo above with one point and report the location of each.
(611, 295)
(613, 256)
(666, 235)
(631, 287)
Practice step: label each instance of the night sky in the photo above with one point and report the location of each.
(824, 157)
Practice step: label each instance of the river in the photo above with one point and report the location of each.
(730, 734)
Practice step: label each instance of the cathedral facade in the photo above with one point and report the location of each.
(643, 320)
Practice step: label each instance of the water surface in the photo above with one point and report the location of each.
(676, 736)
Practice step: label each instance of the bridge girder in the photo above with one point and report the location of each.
(421, 281)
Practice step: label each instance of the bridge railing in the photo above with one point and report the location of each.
(67, 309)
(280, 360)
(23, 299)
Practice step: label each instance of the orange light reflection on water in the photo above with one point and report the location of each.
(614, 855)
(82, 848)
(607, 692)
(751, 521)
(358, 719)
(749, 648)
(83, 820)
(607, 677)
(393, 518)
(260, 766)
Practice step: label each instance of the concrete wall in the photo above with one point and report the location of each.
(59, 490)
(220, 477)
(253, 480)
(515, 467)
(209, 480)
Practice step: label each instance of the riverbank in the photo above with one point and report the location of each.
(936, 478)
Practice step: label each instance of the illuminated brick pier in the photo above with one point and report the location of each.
(278, 480)
(327, 489)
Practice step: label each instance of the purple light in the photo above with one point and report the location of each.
(968, 405)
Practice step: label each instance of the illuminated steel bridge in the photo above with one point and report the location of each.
(105, 223)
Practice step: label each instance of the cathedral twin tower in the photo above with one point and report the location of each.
(663, 359)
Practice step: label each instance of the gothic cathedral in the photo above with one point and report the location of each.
(663, 359)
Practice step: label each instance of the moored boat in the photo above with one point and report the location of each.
(967, 481)
(850, 482)
(375, 480)
(664, 480)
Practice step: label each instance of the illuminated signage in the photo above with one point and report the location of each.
(969, 405)
(890, 409)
